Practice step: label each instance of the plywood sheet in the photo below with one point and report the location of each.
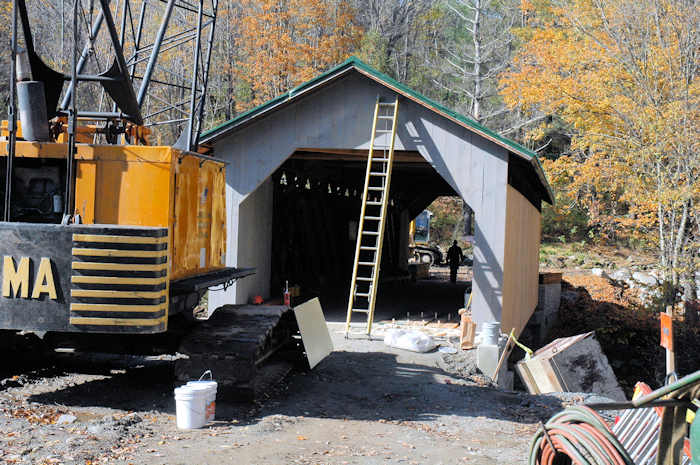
(314, 331)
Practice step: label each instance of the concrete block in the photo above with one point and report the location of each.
(487, 358)
(549, 297)
(505, 379)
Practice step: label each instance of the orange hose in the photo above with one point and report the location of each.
(582, 436)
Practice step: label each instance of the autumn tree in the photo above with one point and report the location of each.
(623, 75)
(285, 43)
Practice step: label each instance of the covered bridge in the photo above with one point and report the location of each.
(295, 177)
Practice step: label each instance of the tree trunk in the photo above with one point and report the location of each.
(476, 37)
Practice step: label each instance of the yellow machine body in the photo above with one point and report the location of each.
(156, 186)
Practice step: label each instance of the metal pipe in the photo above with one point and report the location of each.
(186, 8)
(205, 84)
(154, 52)
(123, 28)
(171, 84)
(112, 30)
(93, 78)
(137, 41)
(62, 28)
(174, 106)
(121, 38)
(684, 382)
(99, 114)
(195, 72)
(166, 40)
(170, 121)
(72, 121)
(11, 116)
(96, 26)
(133, 61)
(119, 54)
(630, 405)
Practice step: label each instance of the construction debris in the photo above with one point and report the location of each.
(415, 341)
(570, 364)
(468, 330)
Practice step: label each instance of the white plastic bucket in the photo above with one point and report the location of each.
(490, 333)
(210, 387)
(190, 407)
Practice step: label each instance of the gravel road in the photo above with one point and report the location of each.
(365, 404)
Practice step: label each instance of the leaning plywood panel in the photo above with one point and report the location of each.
(314, 331)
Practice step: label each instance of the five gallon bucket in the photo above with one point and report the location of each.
(210, 387)
(490, 333)
(195, 403)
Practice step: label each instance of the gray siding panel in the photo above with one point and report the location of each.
(339, 116)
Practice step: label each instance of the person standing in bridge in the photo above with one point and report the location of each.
(454, 259)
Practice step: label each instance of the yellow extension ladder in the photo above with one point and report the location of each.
(375, 197)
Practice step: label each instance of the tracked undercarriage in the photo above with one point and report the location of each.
(247, 348)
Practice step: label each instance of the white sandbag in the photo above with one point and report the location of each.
(415, 341)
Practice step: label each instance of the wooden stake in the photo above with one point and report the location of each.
(506, 352)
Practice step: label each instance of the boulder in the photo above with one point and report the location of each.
(645, 278)
(623, 274)
(600, 273)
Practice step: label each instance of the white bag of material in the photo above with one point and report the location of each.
(415, 341)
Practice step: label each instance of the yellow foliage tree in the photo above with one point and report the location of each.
(623, 75)
(285, 43)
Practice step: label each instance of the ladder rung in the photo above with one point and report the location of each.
(380, 159)
(385, 117)
(374, 218)
(376, 173)
(362, 278)
(371, 202)
(383, 131)
(360, 310)
(361, 294)
(385, 104)
(366, 247)
(375, 188)
(371, 233)
(366, 263)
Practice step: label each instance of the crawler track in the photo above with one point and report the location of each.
(247, 348)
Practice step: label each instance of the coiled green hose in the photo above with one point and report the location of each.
(578, 436)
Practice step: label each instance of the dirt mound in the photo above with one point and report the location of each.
(627, 332)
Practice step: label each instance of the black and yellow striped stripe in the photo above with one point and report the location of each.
(119, 282)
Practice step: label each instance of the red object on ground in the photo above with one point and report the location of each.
(258, 300)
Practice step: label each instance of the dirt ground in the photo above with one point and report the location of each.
(365, 404)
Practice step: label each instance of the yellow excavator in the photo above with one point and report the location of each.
(419, 240)
(108, 243)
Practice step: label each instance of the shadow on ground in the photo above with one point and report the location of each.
(347, 385)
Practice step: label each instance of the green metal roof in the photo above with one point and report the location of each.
(354, 63)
